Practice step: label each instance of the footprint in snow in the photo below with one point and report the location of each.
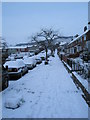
(28, 91)
(33, 92)
(22, 83)
(25, 88)
(76, 91)
(18, 90)
(11, 88)
(36, 103)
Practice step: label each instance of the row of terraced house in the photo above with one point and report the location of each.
(78, 50)
(77, 54)
(79, 46)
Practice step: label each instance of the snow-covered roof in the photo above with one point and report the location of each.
(78, 37)
(16, 47)
(63, 43)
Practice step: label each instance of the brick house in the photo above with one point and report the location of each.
(79, 45)
(17, 49)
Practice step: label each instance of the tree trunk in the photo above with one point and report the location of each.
(46, 60)
(46, 54)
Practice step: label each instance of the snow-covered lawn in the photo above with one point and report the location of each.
(47, 91)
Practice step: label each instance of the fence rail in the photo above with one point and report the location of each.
(83, 70)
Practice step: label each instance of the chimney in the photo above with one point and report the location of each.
(89, 15)
(85, 28)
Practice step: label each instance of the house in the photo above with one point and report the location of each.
(79, 45)
(63, 46)
(17, 49)
(23, 47)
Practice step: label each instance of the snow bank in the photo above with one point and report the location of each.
(84, 82)
(14, 102)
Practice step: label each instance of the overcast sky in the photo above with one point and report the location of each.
(20, 20)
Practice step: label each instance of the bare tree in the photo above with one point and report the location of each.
(3, 43)
(45, 38)
(3, 49)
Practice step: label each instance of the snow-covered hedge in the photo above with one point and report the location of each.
(81, 67)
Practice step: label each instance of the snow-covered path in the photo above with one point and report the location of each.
(49, 92)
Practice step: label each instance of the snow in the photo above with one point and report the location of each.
(38, 58)
(63, 53)
(77, 60)
(25, 57)
(17, 47)
(78, 37)
(14, 64)
(49, 52)
(43, 53)
(84, 82)
(48, 91)
(14, 102)
(63, 43)
(80, 64)
(29, 60)
(63, 39)
(10, 58)
(67, 65)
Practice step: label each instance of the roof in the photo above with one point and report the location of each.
(18, 47)
(79, 36)
(13, 47)
(63, 43)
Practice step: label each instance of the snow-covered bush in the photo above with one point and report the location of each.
(81, 67)
(86, 71)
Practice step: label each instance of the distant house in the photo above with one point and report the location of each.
(63, 46)
(80, 45)
(22, 47)
(17, 49)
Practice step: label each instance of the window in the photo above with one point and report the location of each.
(78, 48)
(75, 49)
(84, 37)
(88, 45)
(72, 50)
(80, 39)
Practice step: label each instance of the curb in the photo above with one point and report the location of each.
(86, 95)
(77, 82)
